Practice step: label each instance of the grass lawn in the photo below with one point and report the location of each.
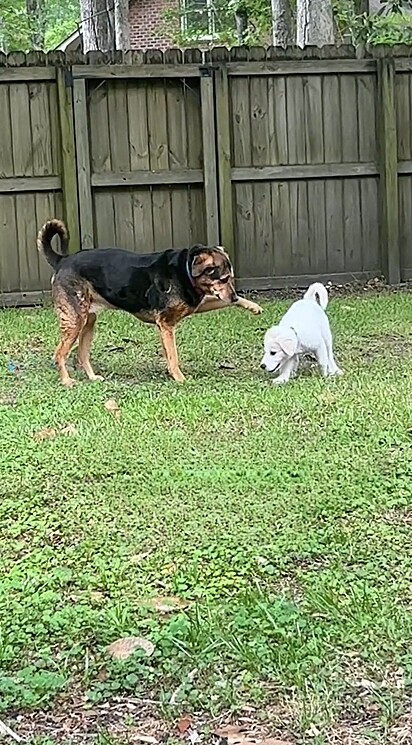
(282, 516)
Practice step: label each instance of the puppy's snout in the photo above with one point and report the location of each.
(263, 366)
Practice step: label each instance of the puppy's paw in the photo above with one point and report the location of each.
(279, 381)
(97, 379)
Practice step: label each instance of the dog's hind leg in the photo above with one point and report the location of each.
(85, 341)
(70, 330)
(72, 318)
(322, 357)
(333, 368)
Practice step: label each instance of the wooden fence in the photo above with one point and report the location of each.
(300, 163)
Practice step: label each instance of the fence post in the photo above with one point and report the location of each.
(389, 171)
(209, 156)
(81, 125)
(224, 160)
(69, 171)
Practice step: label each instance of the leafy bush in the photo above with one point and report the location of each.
(391, 25)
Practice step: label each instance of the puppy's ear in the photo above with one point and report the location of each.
(288, 344)
(271, 334)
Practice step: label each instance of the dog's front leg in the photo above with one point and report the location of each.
(288, 368)
(213, 303)
(167, 335)
(249, 305)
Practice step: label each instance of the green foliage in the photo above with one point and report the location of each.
(61, 19)
(14, 25)
(390, 26)
(189, 25)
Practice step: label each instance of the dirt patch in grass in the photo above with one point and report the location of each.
(372, 347)
(128, 721)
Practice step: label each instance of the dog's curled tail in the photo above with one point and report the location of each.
(44, 238)
(318, 293)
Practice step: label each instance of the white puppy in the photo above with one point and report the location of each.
(304, 329)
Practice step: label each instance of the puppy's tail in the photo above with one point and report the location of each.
(318, 293)
(44, 238)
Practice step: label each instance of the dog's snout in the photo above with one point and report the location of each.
(263, 366)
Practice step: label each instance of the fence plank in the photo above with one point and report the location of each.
(209, 160)
(148, 178)
(55, 138)
(312, 96)
(33, 183)
(293, 172)
(24, 299)
(352, 224)
(317, 248)
(301, 67)
(118, 126)
(100, 137)
(281, 227)
(6, 152)
(178, 158)
(295, 120)
(138, 129)
(143, 220)
(123, 220)
(349, 102)
(17, 74)
(9, 260)
(69, 175)
(21, 131)
(111, 72)
(26, 233)
(334, 225)
(389, 171)
(83, 164)
(278, 135)
(332, 119)
(366, 104)
(224, 162)
(403, 115)
(40, 129)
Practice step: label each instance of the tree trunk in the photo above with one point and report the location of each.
(37, 23)
(241, 19)
(281, 23)
(96, 27)
(361, 6)
(121, 25)
(314, 23)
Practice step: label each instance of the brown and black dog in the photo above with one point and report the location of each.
(159, 288)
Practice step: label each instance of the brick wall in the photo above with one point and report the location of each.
(147, 25)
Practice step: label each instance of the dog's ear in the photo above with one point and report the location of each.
(200, 263)
(288, 344)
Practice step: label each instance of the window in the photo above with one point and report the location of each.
(198, 19)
